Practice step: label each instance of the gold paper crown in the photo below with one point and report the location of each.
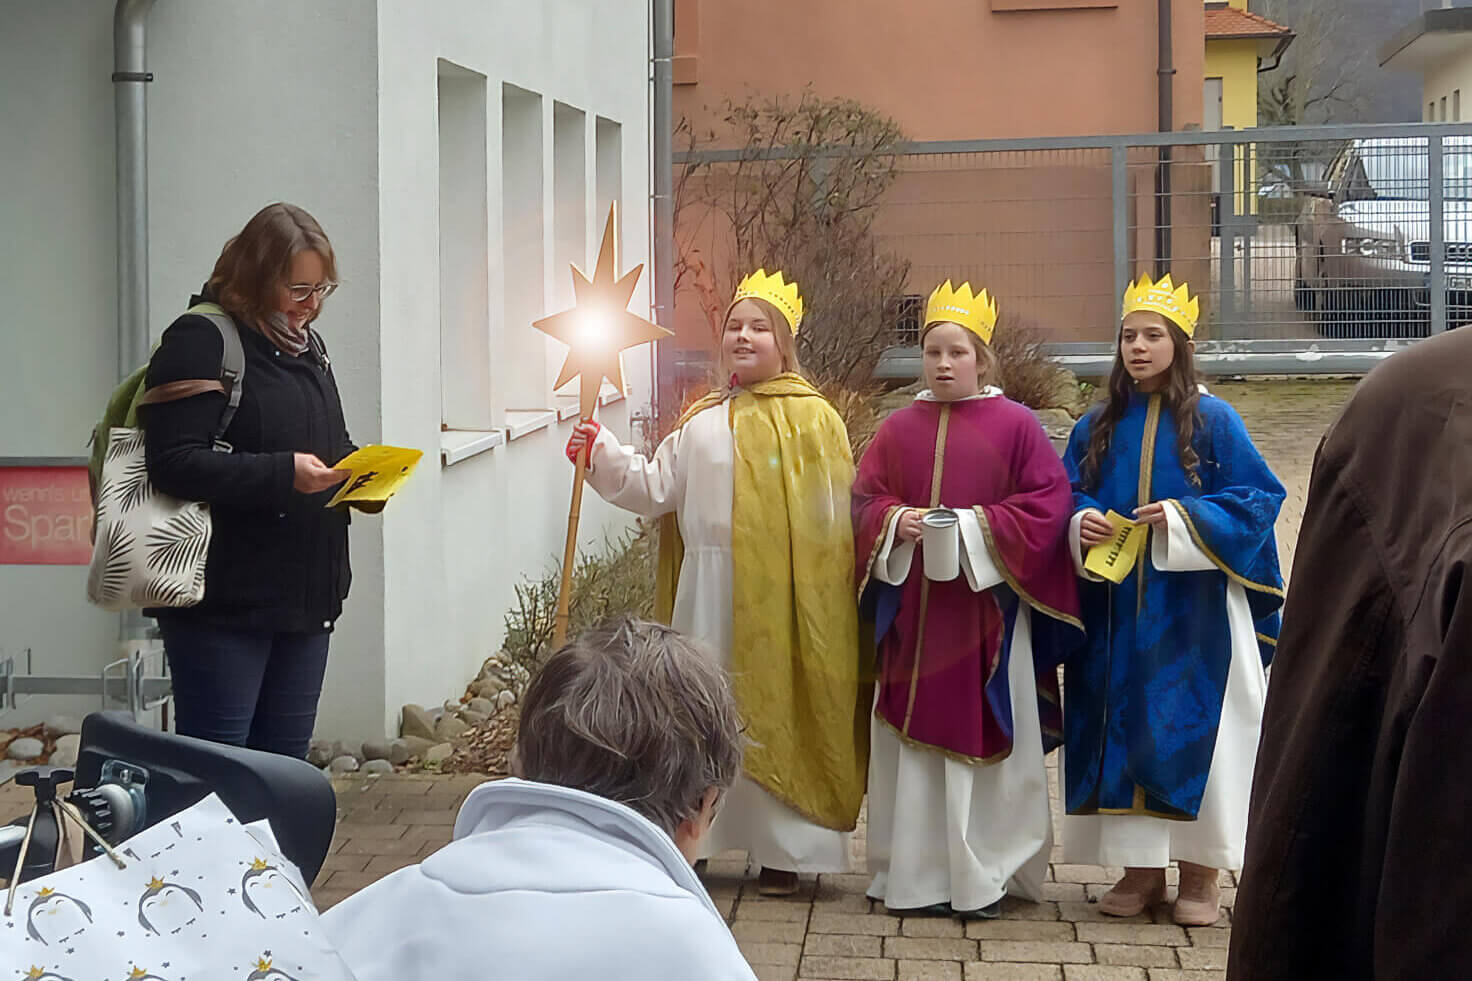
(262, 964)
(155, 882)
(1172, 302)
(44, 892)
(34, 972)
(783, 296)
(259, 865)
(137, 972)
(976, 312)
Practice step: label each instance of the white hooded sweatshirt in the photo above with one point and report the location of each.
(541, 882)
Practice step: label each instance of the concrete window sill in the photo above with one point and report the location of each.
(567, 405)
(1001, 6)
(524, 422)
(457, 445)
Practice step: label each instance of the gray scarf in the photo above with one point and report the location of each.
(293, 342)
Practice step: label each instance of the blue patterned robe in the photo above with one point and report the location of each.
(1143, 700)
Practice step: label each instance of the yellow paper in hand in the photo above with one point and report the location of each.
(1114, 559)
(377, 472)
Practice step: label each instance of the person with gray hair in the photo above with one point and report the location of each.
(580, 865)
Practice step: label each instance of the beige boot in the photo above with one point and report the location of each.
(1135, 893)
(1199, 901)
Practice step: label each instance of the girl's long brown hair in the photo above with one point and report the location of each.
(1179, 397)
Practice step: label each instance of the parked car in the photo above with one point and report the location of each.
(1364, 239)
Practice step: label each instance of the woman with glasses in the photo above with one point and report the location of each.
(247, 662)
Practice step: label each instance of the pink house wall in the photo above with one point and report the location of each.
(1035, 228)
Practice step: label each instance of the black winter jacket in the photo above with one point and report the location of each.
(278, 559)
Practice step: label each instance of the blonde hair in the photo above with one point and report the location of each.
(988, 367)
(781, 333)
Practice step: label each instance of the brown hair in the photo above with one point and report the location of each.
(633, 712)
(781, 331)
(256, 262)
(988, 367)
(1179, 397)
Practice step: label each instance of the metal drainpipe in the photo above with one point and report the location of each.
(664, 209)
(129, 80)
(1165, 81)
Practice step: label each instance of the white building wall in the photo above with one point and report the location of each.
(331, 105)
(469, 532)
(1449, 80)
(58, 295)
(266, 101)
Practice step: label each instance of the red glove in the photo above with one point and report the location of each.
(583, 434)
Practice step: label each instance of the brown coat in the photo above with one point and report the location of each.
(1359, 846)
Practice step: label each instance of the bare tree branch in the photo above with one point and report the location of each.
(1319, 81)
(810, 214)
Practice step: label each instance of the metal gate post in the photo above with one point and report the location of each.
(1436, 212)
(1227, 243)
(1119, 170)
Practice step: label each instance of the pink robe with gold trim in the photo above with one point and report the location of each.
(941, 644)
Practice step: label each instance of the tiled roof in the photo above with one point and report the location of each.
(1229, 22)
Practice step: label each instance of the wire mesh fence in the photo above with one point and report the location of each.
(1301, 242)
(1304, 239)
(1349, 242)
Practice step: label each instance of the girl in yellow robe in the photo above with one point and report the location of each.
(756, 561)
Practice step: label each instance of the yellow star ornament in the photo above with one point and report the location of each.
(596, 330)
(600, 325)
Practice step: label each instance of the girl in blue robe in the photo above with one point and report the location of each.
(1163, 705)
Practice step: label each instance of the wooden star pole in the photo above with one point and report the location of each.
(596, 330)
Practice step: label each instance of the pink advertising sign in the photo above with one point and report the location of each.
(45, 516)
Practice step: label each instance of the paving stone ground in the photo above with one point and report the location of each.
(830, 930)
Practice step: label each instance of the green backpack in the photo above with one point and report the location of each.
(122, 405)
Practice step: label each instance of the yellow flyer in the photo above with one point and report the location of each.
(1114, 559)
(378, 472)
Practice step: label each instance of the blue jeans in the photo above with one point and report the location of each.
(250, 688)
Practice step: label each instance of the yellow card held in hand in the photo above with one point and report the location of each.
(378, 471)
(1114, 559)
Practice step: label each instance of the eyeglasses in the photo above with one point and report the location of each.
(300, 291)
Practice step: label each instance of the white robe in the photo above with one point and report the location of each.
(691, 474)
(942, 830)
(1218, 836)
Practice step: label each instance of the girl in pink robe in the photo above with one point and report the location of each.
(967, 703)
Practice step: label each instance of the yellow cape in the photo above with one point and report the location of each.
(795, 658)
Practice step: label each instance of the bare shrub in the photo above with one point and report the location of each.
(618, 578)
(802, 196)
(1028, 374)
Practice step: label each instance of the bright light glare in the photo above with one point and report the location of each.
(592, 329)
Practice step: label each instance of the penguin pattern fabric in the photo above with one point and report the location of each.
(201, 897)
